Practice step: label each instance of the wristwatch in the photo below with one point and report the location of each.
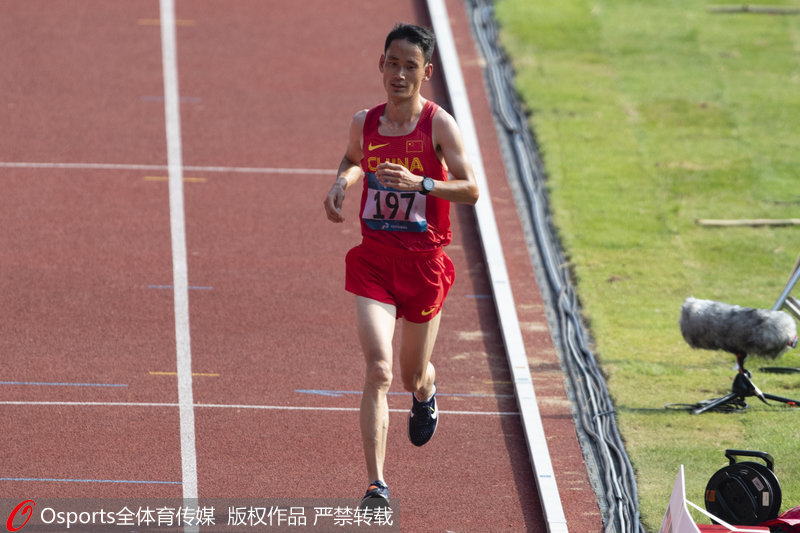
(427, 185)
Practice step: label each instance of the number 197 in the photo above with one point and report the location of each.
(392, 202)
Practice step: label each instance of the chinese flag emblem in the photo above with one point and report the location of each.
(414, 147)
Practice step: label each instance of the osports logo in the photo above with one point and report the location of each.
(25, 508)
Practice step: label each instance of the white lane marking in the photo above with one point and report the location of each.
(134, 166)
(169, 58)
(498, 274)
(239, 406)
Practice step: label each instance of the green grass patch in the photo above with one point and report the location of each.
(650, 115)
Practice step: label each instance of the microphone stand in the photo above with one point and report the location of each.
(743, 387)
(792, 305)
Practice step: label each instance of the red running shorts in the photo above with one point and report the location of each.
(416, 283)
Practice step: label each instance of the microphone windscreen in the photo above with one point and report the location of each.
(739, 330)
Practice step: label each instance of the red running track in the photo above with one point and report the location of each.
(87, 335)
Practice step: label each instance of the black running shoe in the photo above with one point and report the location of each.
(422, 420)
(377, 495)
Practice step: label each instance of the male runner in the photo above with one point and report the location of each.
(405, 148)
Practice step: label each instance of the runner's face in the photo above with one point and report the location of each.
(404, 69)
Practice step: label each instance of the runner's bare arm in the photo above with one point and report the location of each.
(349, 169)
(449, 147)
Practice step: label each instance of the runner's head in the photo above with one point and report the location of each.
(417, 35)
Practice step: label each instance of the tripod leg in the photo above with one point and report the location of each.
(744, 386)
(714, 403)
(794, 403)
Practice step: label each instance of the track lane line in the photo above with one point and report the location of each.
(79, 480)
(235, 406)
(501, 286)
(61, 384)
(169, 59)
(136, 166)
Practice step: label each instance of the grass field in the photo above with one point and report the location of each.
(651, 115)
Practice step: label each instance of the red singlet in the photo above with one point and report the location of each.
(403, 219)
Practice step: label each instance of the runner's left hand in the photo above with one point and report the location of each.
(398, 177)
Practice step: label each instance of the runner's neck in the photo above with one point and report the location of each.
(401, 118)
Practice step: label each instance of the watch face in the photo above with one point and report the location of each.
(427, 185)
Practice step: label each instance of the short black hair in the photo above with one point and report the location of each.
(422, 37)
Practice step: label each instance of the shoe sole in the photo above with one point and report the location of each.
(374, 502)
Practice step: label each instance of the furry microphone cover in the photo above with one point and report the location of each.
(739, 330)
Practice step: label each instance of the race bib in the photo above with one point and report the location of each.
(387, 209)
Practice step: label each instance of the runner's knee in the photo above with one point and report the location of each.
(379, 373)
(413, 381)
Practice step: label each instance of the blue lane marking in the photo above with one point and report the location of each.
(479, 296)
(333, 393)
(338, 393)
(60, 384)
(49, 480)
